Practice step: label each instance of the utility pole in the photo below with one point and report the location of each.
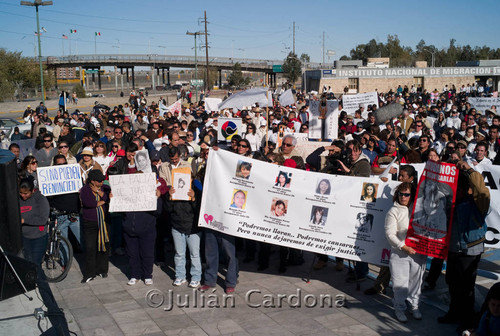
(294, 37)
(323, 49)
(35, 4)
(206, 53)
(195, 60)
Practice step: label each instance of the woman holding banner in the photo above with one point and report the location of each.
(407, 267)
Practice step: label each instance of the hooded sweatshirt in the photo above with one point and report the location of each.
(35, 212)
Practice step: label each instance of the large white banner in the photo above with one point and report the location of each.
(58, 180)
(350, 103)
(481, 104)
(296, 208)
(331, 122)
(133, 192)
(491, 176)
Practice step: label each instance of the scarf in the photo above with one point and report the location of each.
(102, 235)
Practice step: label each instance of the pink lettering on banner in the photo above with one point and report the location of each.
(208, 218)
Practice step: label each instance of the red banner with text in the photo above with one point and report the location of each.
(430, 223)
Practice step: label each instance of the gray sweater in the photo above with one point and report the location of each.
(35, 212)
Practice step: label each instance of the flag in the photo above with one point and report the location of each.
(64, 36)
(97, 33)
(72, 31)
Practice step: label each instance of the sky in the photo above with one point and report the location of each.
(254, 29)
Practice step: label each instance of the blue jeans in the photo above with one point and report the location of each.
(193, 243)
(64, 223)
(34, 249)
(213, 240)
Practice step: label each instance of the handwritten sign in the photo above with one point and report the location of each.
(133, 192)
(58, 180)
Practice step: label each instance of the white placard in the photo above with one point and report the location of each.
(212, 104)
(350, 103)
(228, 127)
(182, 184)
(331, 121)
(142, 161)
(482, 104)
(58, 180)
(133, 192)
(290, 207)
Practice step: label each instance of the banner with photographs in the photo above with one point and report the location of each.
(324, 128)
(334, 215)
(350, 103)
(430, 223)
(491, 176)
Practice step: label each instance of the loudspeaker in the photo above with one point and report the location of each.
(9, 284)
(10, 216)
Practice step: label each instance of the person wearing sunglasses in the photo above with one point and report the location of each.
(28, 169)
(101, 155)
(406, 265)
(287, 148)
(253, 137)
(63, 149)
(47, 152)
(244, 148)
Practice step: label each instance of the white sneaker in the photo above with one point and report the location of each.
(417, 315)
(148, 282)
(132, 281)
(401, 316)
(179, 282)
(194, 284)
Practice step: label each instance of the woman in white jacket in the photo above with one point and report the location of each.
(407, 267)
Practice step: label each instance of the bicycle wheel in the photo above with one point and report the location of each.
(57, 264)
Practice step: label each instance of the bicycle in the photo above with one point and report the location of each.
(59, 254)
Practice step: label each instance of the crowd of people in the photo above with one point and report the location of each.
(441, 127)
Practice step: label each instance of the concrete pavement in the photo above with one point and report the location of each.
(111, 307)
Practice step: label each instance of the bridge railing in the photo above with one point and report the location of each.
(156, 58)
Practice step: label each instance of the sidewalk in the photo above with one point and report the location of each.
(111, 307)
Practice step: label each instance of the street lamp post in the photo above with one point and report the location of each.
(195, 60)
(35, 4)
(432, 53)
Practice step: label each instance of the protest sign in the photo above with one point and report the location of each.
(491, 176)
(286, 98)
(58, 180)
(482, 104)
(291, 207)
(432, 215)
(133, 192)
(350, 103)
(142, 161)
(228, 128)
(181, 181)
(331, 122)
(175, 107)
(212, 104)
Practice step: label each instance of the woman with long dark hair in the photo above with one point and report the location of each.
(28, 169)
